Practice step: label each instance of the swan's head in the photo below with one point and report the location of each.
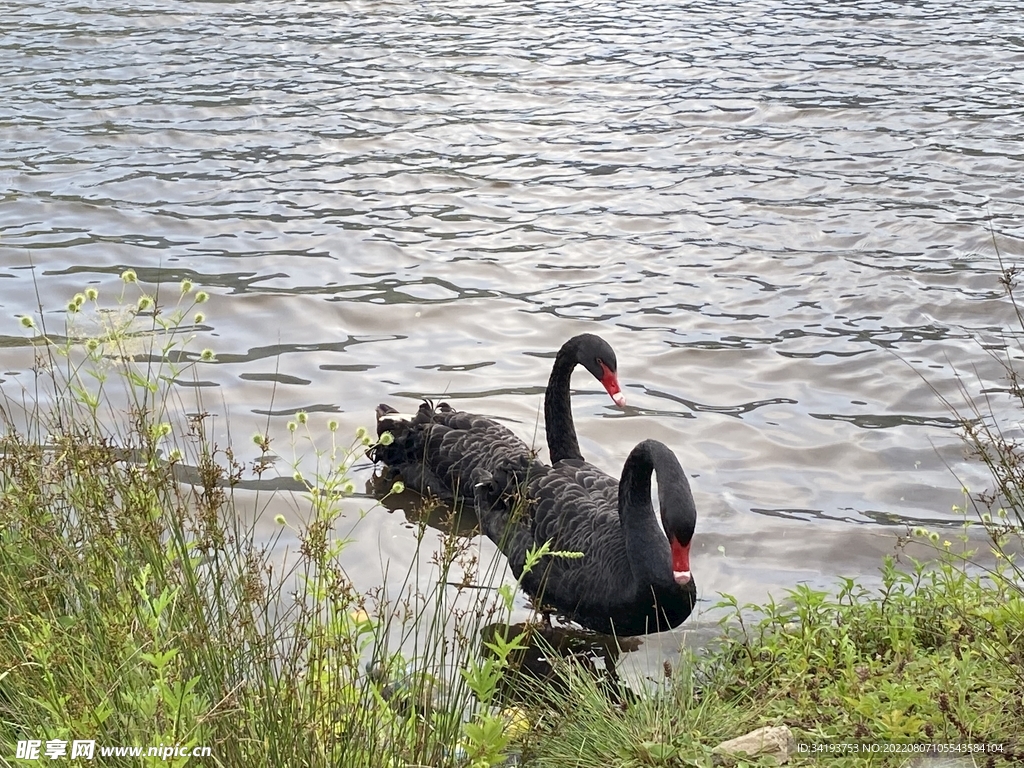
(597, 356)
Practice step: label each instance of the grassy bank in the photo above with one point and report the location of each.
(137, 607)
(936, 655)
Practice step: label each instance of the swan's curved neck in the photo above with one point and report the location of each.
(561, 432)
(648, 546)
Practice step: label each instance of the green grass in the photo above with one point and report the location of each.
(935, 655)
(138, 607)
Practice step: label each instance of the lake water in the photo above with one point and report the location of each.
(780, 214)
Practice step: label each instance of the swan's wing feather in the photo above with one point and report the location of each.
(555, 504)
(602, 487)
(444, 452)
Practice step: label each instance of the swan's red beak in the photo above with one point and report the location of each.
(611, 384)
(681, 562)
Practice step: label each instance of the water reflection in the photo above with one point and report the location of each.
(552, 656)
(419, 511)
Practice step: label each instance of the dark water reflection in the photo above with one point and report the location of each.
(780, 213)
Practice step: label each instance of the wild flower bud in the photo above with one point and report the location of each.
(91, 294)
(398, 487)
(186, 286)
(201, 297)
(386, 438)
(207, 355)
(199, 318)
(332, 425)
(280, 520)
(129, 276)
(27, 322)
(302, 416)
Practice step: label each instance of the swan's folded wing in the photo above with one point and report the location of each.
(566, 510)
(467, 446)
(443, 452)
(602, 487)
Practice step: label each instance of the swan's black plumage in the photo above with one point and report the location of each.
(633, 578)
(624, 582)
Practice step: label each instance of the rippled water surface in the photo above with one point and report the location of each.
(781, 215)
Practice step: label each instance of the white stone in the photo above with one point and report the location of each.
(772, 740)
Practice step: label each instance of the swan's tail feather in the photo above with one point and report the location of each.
(390, 420)
(398, 425)
(405, 454)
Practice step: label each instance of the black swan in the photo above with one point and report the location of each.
(634, 577)
(439, 450)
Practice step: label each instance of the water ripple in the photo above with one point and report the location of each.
(784, 215)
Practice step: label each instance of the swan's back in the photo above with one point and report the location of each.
(573, 505)
(443, 452)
